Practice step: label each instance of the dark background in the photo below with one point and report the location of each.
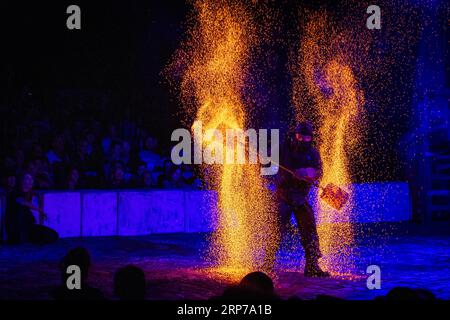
(114, 63)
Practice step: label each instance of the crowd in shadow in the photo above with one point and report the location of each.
(129, 281)
(130, 284)
(80, 144)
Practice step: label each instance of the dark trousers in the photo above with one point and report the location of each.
(41, 234)
(20, 228)
(306, 223)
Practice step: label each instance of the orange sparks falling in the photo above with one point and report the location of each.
(217, 55)
(325, 91)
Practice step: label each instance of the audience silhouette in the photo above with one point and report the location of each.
(79, 257)
(129, 283)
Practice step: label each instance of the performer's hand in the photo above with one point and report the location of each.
(311, 173)
(308, 174)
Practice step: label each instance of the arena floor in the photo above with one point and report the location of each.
(175, 268)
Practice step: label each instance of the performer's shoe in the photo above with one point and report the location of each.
(314, 271)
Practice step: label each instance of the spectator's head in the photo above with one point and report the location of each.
(141, 169)
(118, 172)
(26, 182)
(11, 182)
(147, 179)
(258, 282)
(187, 172)
(176, 174)
(150, 143)
(129, 283)
(79, 257)
(73, 176)
(255, 285)
(168, 167)
(32, 168)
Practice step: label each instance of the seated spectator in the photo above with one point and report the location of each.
(141, 167)
(148, 153)
(164, 172)
(115, 152)
(9, 183)
(114, 156)
(147, 180)
(57, 151)
(126, 156)
(86, 158)
(189, 177)
(79, 257)
(58, 159)
(174, 180)
(109, 138)
(129, 283)
(117, 178)
(41, 172)
(20, 222)
(73, 180)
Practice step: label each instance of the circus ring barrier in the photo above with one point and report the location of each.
(88, 213)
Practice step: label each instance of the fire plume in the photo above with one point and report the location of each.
(217, 55)
(326, 92)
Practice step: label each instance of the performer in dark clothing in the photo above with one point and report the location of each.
(301, 157)
(20, 223)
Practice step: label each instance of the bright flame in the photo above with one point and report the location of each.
(330, 85)
(218, 52)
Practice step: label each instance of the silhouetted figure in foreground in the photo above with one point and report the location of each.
(407, 294)
(254, 286)
(76, 257)
(129, 283)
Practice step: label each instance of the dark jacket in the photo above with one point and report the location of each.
(294, 156)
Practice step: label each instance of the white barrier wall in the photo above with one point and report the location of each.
(126, 213)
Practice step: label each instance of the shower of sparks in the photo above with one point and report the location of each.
(217, 56)
(336, 102)
(335, 57)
